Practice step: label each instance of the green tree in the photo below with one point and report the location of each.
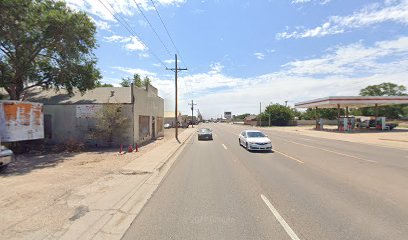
(280, 115)
(146, 81)
(99, 84)
(242, 116)
(46, 44)
(326, 113)
(385, 89)
(126, 82)
(136, 80)
(111, 123)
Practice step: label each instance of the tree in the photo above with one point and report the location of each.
(99, 84)
(385, 89)
(242, 116)
(43, 43)
(280, 115)
(146, 81)
(136, 80)
(111, 123)
(326, 113)
(126, 82)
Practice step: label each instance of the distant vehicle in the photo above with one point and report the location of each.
(254, 140)
(6, 157)
(372, 124)
(205, 134)
(167, 125)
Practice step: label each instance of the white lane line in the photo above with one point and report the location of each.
(327, 150)
(290, 157)
(225, 147)
(280, 219)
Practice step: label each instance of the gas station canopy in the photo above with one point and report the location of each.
(352, 101)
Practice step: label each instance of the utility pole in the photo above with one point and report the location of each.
(286, 103)
(192, 112)
(260, 112)
(176, 70)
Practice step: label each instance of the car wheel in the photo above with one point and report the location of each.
(247, 147)
(239, 140)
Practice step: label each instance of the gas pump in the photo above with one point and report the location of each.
(321, 124)
(342, 124)
(380, 123)
(347, 124)
(351, 123)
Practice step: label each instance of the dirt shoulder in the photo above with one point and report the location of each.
(37, 191)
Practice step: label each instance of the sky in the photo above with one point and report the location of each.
(242, 53)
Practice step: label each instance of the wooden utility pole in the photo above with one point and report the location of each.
(176, 70)
(192, 112)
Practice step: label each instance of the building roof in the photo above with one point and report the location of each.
(97, 95)
(352, 101)
(250, 118)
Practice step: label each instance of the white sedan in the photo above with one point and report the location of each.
(254, 140)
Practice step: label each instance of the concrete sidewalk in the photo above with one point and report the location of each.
(106, 208)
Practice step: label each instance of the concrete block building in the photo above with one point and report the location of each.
(73, 118)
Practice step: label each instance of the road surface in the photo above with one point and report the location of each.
(308, 188)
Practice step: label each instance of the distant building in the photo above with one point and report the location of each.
(73, 118)
(169, 118)
(250, 120)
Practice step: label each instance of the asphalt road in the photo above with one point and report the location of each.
(308, 188)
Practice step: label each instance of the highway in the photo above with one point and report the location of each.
(307, 188)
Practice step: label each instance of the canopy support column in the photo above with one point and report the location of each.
(338, 117)
(376, 110)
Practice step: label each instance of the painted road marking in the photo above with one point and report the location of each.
(280, 219)
(297, 160)
(225, 147)
(327, 150)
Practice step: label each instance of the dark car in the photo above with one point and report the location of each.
(205, 134)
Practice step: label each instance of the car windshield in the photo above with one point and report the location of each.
(205, 130)
(255, 134)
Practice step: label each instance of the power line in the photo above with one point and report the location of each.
(129, 29)
(151, 26)
(168, 33)
(188, 88)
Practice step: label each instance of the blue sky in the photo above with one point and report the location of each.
(240, 53)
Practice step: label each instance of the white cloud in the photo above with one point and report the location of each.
(134, 71)
(170, 61)
(124, 7)
(259, 56)
(216, 68)
(390, 11)
(351, 59)
(131, 43)
(135, 45)
(342, 70)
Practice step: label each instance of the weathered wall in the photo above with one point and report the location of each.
(147, 103)
(67, 126)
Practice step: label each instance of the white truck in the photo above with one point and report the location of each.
(19, 121)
